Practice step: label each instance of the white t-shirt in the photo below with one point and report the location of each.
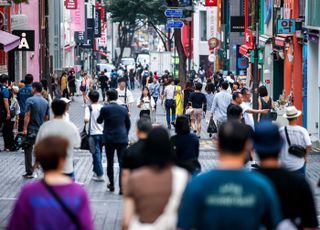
(66, 129)
(121, 96)
(298, 136)
(248, 117)
(148, 104)
(95, 129)
(170, 92)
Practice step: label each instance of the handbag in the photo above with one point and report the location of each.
(295, 150)
(273, 115)
(85, 136)
(71, 215)
(212, 127)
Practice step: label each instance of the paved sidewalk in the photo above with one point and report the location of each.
(106, 206)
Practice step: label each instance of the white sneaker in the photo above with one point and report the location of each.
(98, 178)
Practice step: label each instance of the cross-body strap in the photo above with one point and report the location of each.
(125, 95)
(90, 109)
(71, 215)
(287, 135)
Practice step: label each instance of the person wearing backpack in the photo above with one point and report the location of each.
(114, 79)
(145, 74)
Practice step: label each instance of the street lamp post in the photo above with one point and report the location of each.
(256, 58)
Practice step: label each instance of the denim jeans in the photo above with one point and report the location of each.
(97, 155)
(170, 107)
(302, 170)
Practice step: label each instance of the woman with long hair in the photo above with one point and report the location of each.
(153, 192)
(186, 93)
(179, 98)
(85, 88)
(146, 103)
(63, 82)
(265, 102)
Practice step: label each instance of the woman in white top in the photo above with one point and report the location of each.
(85, 88)
(96, 133)
(146, 103)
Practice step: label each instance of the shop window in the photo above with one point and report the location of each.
(313, 13)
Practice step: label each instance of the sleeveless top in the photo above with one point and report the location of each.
(266, 105)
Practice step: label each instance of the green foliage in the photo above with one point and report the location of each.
(20, 1)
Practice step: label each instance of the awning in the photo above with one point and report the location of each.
(8, 41)
(281, 39)
(244, 49)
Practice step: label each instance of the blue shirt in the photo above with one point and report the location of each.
(5, 94)
(39, 109)
(23, 95)
(154, 89)
(229, 199)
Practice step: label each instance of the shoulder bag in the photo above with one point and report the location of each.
(85, 136)
(70, 214)
(295, 150)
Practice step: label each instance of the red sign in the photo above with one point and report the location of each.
(248, 39)
(211, 2)
(71, 4)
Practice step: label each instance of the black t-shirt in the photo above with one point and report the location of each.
(72, 81)
(295, 196)
(198, 100)
(103, 79)
(132, 158)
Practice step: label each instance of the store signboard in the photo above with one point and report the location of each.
(78, 17)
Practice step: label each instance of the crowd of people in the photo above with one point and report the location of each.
(160, 175)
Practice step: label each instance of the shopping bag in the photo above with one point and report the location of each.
(212, 128)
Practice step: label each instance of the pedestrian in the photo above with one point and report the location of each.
(63, 81)
(153, 192)
(235, 87)
(55, 200)
(186, 146)
(220, 104)
(45, 90)
(186, 94)
(154, 88)
(179, 98)
(144, 75)
(294, 192)
(224, 198)
(197, 79)
(132, 157)
(170, 102)
(85, 88)
(114, 78)
(24, 93)
(209, 93)
(146, 104)
(92, 113)
(132, 79)
(155, 75)
(103, 82)
(66, 115)
(247, 108)
(5, 117)
(36, 113)
(298, 136)
(198, 101)
(72, 83)
(125, 97)
(202, 73)
(265, 102)
(14, 120)
(234, 113)
(62, 128)
(115, 133)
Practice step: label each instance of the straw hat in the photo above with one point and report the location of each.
(292, 112)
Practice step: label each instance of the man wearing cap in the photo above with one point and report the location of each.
(297, 135)
(294, 192)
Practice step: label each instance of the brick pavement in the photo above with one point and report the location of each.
(106, 206)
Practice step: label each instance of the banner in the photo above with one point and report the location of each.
(78, 17)
(212, 22)
(97, 24)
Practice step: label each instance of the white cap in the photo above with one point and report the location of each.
(66, 100)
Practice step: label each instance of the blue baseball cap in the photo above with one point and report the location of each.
(267, 138)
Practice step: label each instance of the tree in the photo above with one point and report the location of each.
(179, 47)
(124, 12)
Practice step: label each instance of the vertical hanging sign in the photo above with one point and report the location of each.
(78, 17)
